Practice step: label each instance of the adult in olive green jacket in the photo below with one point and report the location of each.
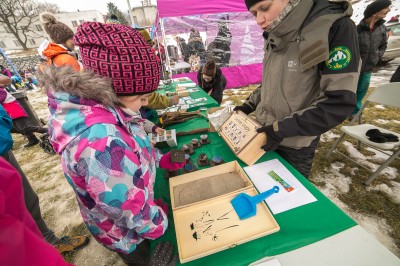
(158, 101)
(310, 73)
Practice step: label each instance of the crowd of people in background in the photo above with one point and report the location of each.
(98, 108)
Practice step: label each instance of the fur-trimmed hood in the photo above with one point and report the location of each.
(84, 84)
(77, 101)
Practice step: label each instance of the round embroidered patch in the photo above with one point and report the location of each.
(339, 58)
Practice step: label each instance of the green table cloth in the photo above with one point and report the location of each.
(194, 95)
(298, 227)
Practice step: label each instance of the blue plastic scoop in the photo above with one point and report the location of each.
(245, 205)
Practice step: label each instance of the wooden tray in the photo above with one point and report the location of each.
(207, 228)
(205, 221)
(239, 132)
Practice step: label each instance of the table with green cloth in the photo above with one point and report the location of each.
(194, 95)
(299, 227)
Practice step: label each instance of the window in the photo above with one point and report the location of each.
(32, 41)
(74, 23)
(81, 21)
(39, 27)
(94, 19)
(2, 44)
(16, 43)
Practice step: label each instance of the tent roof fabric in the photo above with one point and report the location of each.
(175, 8)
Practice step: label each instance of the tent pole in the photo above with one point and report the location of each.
(165, 47)
(10, 63)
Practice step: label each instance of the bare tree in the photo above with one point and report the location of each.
(18, 16)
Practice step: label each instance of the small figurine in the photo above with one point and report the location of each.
(216, 160)
(202, 160)
(187, 158)
(188, 149)
(204, 139)
(188, 168)
(195, 143)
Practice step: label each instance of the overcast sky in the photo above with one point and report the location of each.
(100, 5)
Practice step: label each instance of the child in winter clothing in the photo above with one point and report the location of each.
(107, 159)
(60, 52)
(18, 114)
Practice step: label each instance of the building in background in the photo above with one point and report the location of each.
(37, 33)
(144, 16)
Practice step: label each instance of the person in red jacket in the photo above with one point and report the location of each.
(20, 239)
(18, 114)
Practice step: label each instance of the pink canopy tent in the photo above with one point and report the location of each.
(238, 75)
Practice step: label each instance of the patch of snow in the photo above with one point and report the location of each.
(393, 192)
(95, 254)
(390, 172)
(378, 106)
(396, 121)
(382, 121)
(329, 136)
(227, 103)
(335, 182)
(378, 154)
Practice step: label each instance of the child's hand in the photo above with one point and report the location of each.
(159, 131)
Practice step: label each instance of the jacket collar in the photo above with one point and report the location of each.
(284, 32)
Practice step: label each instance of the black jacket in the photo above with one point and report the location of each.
(217, 84)
(372, 44)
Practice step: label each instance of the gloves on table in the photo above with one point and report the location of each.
(163, 255)
(273, 138)
(160, 203)
(165, 163)
(245, 108)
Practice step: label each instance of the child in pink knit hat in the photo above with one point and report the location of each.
(106, 157)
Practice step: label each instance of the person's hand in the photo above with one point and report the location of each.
(273, 138)
(159, 131)
(163, 255)
(160, 203)
(165, 163)
(174, 100)
(245, 108)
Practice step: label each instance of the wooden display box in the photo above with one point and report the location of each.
(239, 132)
(205, 221)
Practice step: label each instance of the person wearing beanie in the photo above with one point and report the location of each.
(211, 80)
(113, 19)
(106, 156)
(59, 52)
(310, 73)
(372, 38)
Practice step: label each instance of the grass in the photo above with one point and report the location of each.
(60, 210)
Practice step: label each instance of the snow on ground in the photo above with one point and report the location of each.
(328, 136)
(382, 121)
(336, 183)
(355, 154)
(378, 106)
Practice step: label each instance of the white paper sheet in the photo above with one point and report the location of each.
(270, 262)
(283, 200)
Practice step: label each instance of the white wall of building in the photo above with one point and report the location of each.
(72, 19)
(144, 15)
